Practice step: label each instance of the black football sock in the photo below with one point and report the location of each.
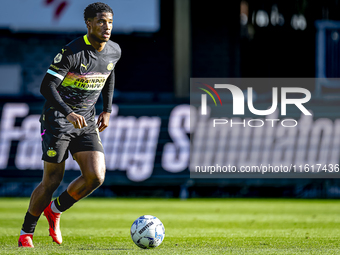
(64, 201)
(30, 222)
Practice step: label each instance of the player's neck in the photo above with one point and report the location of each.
(99, 46)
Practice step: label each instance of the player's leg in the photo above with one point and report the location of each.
(88, 151)
(40, 198)
(89, 154)
(42, 195)
(92, 166)
(55, 152)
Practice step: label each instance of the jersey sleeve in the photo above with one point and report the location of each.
(108, 88)
(55, 74)
(107, 92)
(61, 64)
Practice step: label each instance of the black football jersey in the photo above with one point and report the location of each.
(84, 72)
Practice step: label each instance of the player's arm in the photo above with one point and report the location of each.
(107, 93)
(53, 78)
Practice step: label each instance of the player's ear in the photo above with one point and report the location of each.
(88, 23)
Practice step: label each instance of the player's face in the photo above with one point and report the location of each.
(100, 26)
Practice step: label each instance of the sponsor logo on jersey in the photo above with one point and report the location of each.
(110, 66)
(58, 58)
(90, 84)
(85, 82)
(85, 66)
(55, 67)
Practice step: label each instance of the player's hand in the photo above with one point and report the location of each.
(77, 120)
(103, 121)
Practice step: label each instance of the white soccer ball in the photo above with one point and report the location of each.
(147, 232)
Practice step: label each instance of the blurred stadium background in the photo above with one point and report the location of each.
(164, 43)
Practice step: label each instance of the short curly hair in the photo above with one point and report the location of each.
(92, 9)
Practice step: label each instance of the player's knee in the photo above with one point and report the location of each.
(52, 185)
(96, 181)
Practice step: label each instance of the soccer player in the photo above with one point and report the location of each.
(78, 74)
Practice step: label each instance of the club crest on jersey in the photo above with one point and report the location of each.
(58, 58)
(51, 153)
(110, 66)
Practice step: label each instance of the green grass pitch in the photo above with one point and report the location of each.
(193, 226)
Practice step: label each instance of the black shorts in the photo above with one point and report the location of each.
(55, 150)
(59, 137)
